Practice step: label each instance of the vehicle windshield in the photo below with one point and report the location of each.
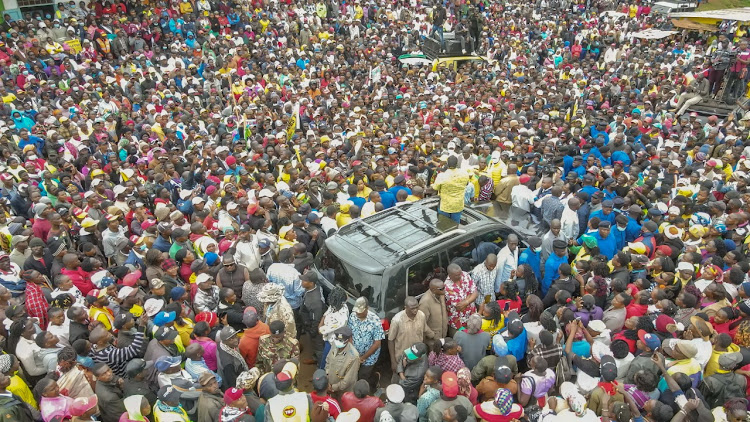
(355, 281)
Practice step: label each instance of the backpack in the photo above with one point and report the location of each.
(563, 371)
(717, 390)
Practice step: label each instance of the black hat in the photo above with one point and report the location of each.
(655, 211)
(608, 368)
(604, 224)
(559, 244)
(169, 394)
(650, 226)
(503, 374)
(136, 366)
(276, 327)
(165, 333)
(343, 333)
(320, 379)
(310, 276)
(535, 241)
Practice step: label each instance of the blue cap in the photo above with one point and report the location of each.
(210, 258)
(163, 318)
(176, 292)
(106, 282)
(165, 362)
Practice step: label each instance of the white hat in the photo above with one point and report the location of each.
(95, 182)
(352, 415)
(232, 206)
(119, 189)
(597, 325)
(197, 200)
(152, 306)
(185, 193)
(395, 393)
(202, 278)
(124, 292)
(685, 266)
(265, 193)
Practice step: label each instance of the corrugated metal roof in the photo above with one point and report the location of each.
(739, 14)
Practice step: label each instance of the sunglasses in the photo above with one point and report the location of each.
(229, 265)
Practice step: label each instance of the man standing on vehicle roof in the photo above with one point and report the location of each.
(450, 185)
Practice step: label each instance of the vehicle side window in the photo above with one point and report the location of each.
(461, 254)
(488, 243)
(498, 237)
(420, 273)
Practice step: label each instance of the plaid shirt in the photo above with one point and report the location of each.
(446, 362)
(485, 280)
(485, 192)
(552, 354)
(36, 304)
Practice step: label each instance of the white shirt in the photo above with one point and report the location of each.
(569, 221)
(61, 331)
(705, 349)
(27, 352)
(328, 223)
(248, 254)
(507, 261)
(522, 197)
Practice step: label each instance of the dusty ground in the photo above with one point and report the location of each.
(304, 377)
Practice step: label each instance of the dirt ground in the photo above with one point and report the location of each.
(304, 377)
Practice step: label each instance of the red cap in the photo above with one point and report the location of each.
(231, 160)
(148, 223)
(524, 178)
(450, 384)
(131, 279)
(232, 395)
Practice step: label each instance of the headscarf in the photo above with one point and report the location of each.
(133, 407)
(6, 361)
(715, 271)
(229, 413)
(576, 401)
(247, 379)
(474, 324)
(464, 381)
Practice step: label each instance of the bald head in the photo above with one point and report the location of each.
(98, 335)
(491, 259)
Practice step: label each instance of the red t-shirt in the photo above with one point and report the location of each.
(333, 406)
(366, 406)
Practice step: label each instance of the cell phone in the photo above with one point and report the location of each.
(507, 306)
(487, 299)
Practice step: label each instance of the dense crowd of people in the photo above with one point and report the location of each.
(171, 169)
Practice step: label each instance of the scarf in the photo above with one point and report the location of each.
(229, 414)
(167, 408)
(235, 354)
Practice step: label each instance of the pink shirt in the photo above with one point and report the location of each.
(209, 347)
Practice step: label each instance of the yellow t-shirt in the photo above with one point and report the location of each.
(19, 387)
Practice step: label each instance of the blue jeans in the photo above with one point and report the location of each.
(455, 216)
(326, 349)
(439, 29)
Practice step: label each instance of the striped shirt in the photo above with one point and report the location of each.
(118, 358)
